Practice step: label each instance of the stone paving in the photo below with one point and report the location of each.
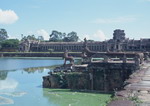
(139, 84)
(136, 91)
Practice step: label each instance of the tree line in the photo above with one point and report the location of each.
(5, 43)
(55, 36)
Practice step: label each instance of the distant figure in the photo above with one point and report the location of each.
(68, 58)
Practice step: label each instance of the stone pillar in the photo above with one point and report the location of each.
(146, 56)
(91, 79)
(105, 59)
(124, 59)
(1, 55)
(137, 60)
(114, 48)
(46, 82)
(108, 48)
(105, 81)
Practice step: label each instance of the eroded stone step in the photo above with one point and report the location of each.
(146, 78)
(146, 75)
(137, 88)
(144, 82)
(144, 85)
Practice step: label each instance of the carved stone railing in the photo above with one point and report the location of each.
(123, 57)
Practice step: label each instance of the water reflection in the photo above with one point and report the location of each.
(14, 94)
(9, 84)
(17, 83)
(20, 80)
(3, 75)
(4, 101)
(38, 69)
(20, 87)
(7, 88)
(22, 84)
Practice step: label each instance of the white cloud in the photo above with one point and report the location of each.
(8, 16)
(43, 33)
(30, 33)
(11, 37)
(98, 36)
(114, 20)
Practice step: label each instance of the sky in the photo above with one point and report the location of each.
(93, 19)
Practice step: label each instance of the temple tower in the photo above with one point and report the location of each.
(118, 37)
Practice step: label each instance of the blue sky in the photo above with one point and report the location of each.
(94, 19)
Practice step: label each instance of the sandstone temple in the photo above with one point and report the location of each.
(119, 43)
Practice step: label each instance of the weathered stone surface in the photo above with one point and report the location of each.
(46, 82)
(97, 76)
(141, 88)
(144, 92)
(118, 43)
(146, 78)
(121, 103)
(122, 93)
(38, 54)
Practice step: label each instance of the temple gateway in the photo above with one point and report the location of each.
(119, 43)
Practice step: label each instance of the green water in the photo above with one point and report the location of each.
(21, 85)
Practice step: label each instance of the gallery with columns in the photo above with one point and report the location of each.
(119, 43)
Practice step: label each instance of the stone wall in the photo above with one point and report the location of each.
(102, 77)
(119, 42)
(38, 54)
(72, 80)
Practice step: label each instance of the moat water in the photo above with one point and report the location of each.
(21, 85)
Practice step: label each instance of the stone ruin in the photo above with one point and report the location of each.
(104, 75)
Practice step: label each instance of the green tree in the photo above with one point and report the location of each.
(41, 38)
(29, 37)
(71, 37)
(10, 43)
(3, 34)
(56, 36)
